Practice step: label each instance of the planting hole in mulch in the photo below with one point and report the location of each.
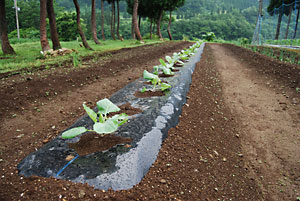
(128, 109)
(93, 142)
(149, 83)
(164, 75)
(178, 65)
(148, 94)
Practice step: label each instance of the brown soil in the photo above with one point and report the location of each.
(148, 94)
(127, 109)
(237, 138)
(164, 75)
(178, 65)
(93, 142)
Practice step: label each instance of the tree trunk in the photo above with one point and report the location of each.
(169, 26)
(132, 29)
(118, 23)
(151, 28)
(6, 47)
(93, 22)
(43, 26)
(140, 19)
(296, 26)
(113, 20)
(85, 43)
(288, 24)
(135, 20)
(159, 24)
(52, 22)
(278, 26)
(102, 20)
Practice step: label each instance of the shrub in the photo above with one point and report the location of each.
(25, 33)
(209, 36)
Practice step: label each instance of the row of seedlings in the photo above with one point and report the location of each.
(103, 124)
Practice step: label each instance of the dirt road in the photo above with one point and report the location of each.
(269, 121)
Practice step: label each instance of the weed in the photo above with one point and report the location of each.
(76, 61)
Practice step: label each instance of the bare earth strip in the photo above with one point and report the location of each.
(269, 124)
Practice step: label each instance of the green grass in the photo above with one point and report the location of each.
(28, 53)
(293, 42)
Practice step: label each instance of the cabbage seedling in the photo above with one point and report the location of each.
(155, 81)
(176, 59)
(102, 123)
(165, 67)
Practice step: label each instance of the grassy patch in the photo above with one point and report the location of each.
(29, 56)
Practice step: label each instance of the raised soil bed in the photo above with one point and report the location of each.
(125, 164)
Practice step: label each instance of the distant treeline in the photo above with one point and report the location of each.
(228, 19)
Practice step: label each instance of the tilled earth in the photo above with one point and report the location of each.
(238, 136)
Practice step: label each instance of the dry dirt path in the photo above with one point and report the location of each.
(270, 126)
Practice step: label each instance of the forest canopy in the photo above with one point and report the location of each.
(228, 19)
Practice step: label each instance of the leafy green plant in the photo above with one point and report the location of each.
(176, 59)
(209, 36)
(102, 123)
(155, 81)
(165, 67)
(76, 61)
(281, 56)
(243, 41)
(254, 49)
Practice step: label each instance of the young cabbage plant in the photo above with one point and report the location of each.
(184, 57)
(166, 68)
(102, 123)
(176, 59)
(155, 81)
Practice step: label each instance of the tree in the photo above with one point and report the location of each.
(6, 47)
(150, 9)
(278, 5)
(52, 22)
(67, 26)
(43, 26)
(113, 18)
(102, 20)
(171, 6)
(290, 10)
(297, 18)
(93, 22)
(118, 23)
(158, 26)
(135, 20)
(81, 33)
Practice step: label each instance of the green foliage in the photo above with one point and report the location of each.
(166, 67)
(76, 61)
(209, 36)
(102, 123)
(67, 26)
(227, 26)
(243, 41)
(29, 14)
(228, 19)
(29, 33)
(155, 81)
